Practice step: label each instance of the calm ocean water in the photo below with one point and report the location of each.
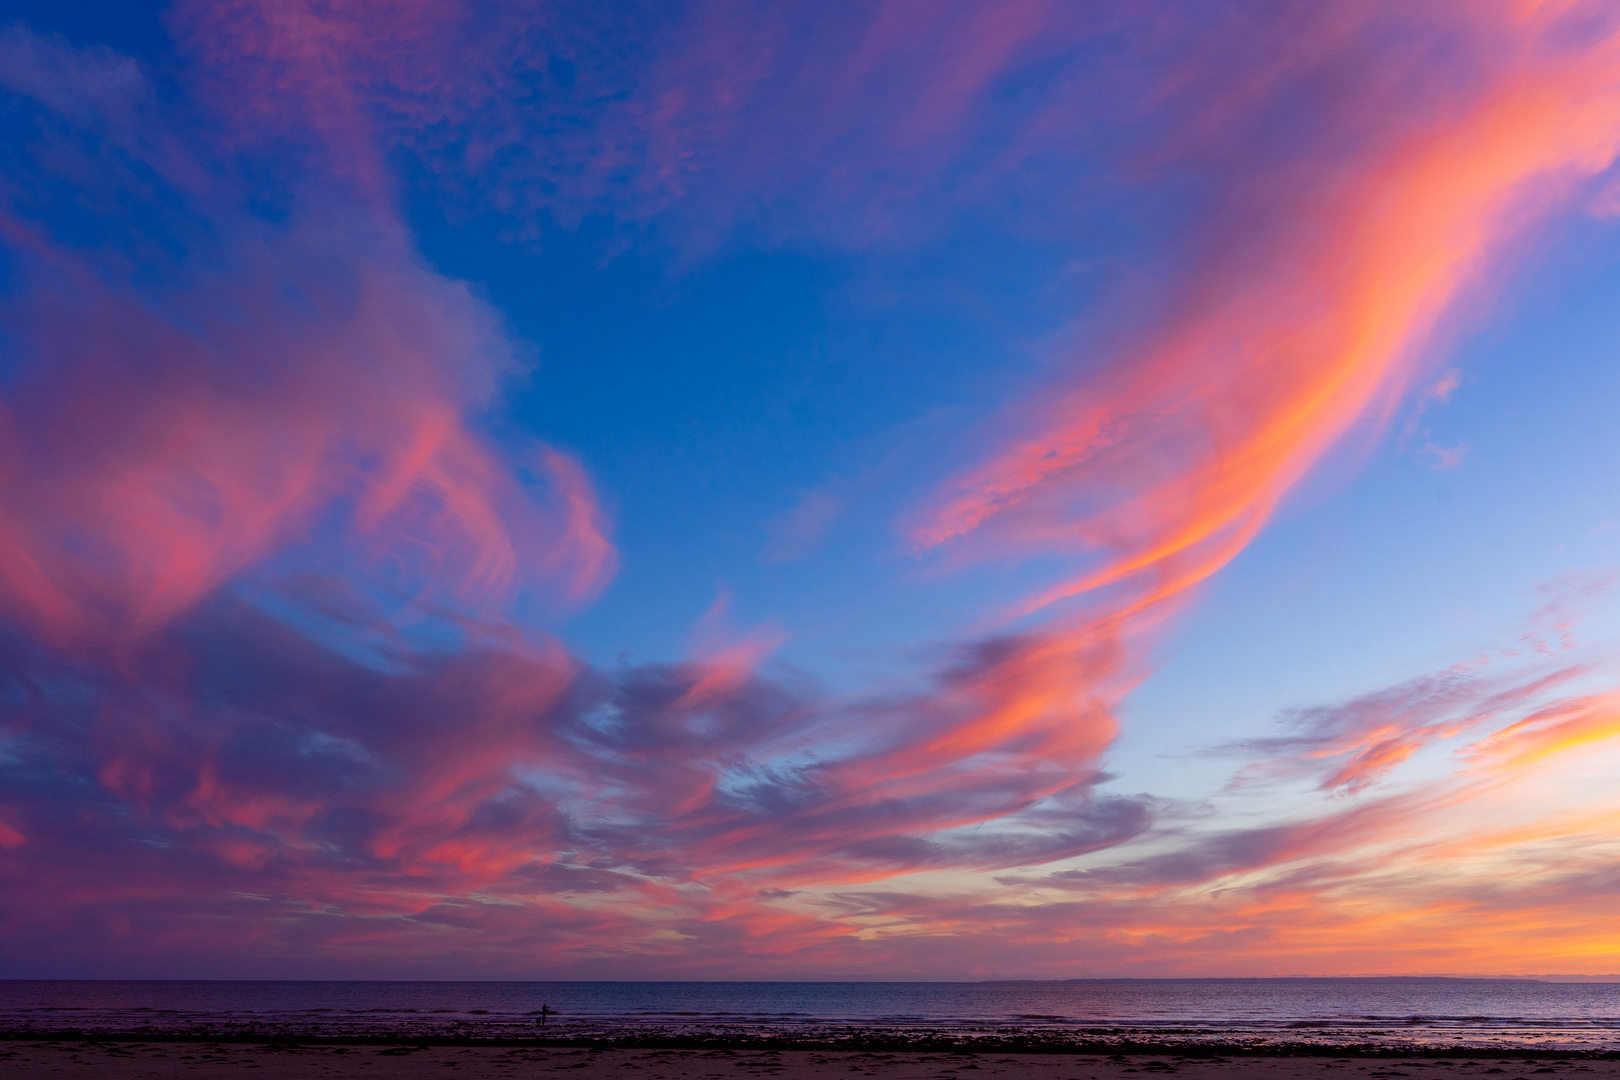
(1423, 1012)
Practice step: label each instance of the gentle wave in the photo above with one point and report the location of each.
(1397, 1011)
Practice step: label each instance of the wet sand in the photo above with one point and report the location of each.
(110, 1060)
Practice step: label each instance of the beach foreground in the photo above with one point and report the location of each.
(116, 1060)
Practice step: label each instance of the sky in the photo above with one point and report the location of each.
(715, 489)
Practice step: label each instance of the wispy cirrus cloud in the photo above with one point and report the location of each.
(1165, 465)
(266, 696)
(259, 542)
(1351, 746)
(205, 389)
(1569, 724)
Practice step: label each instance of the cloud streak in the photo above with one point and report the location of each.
(274, 690)
(1169, 463)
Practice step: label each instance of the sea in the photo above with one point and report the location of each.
(1418, 1013)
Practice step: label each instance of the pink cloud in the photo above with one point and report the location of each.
(1161, 469)
(244, 478)
(1352, 746)
(289, 383)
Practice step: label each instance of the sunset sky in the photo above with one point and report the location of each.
(759, 489)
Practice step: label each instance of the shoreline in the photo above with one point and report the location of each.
(856, 1041)
(180, 1057)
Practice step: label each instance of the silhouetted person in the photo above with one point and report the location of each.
(545, 1011)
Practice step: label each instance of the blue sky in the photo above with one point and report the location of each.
(718, 489)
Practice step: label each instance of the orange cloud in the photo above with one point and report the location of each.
(1162, 469)
(1564, 726)
(316, 382)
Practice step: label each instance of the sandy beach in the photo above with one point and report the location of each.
(105, 1060)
